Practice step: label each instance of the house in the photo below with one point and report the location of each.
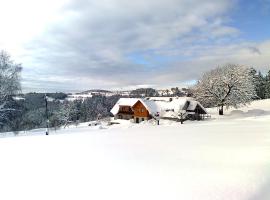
(131, 108)
(172, 108)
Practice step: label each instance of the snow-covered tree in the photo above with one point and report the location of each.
(9, 83)
(67, 113)
(260, 83)
(230, 85)
(267, 85)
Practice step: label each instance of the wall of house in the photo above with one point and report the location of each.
(125, 109)
(123, 116)
(140, 119)
(125, 112)
(140, 112)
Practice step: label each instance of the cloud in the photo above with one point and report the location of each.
(115, 43)
(255, 50)
(248, 54)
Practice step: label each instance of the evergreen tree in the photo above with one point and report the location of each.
(267, 85)
(261, 84)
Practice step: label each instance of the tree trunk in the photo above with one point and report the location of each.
(221, 110)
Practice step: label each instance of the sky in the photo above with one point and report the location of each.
(75, 45)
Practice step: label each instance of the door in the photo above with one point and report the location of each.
(137, 120)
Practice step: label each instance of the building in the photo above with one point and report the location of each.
(173, 108)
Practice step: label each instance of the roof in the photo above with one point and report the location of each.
(165, 106)
(151, 106)
(123, 102)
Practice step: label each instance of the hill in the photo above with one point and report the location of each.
(139, 92)
(222, 158)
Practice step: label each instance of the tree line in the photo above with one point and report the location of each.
(30, 111)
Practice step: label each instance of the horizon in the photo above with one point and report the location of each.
(109, 90)
(73, 45)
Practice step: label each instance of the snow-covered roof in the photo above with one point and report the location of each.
(165, 106)
(151, 106)
(193, 104)
(169, 107)
(123, 102)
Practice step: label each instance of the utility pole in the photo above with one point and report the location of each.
(157, 117)
(47, 115)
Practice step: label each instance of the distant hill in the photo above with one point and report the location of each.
(140, 92)
(95, 91)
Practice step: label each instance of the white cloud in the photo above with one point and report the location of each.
(246, 53)
(81, 44)
(23, 20)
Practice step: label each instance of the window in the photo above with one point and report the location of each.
(142, 110)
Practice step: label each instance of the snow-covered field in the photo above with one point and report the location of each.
(225, 158)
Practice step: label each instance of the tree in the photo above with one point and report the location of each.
(267, 85)
(143, 92)
(230, 85)
(177, 92)
(182, 115)
(9, 83)
(260, 86)
(67, 113)
(259, 82)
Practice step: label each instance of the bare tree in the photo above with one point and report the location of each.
(230, 85)
(9, 83)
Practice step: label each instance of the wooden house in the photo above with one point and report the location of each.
(131, 108)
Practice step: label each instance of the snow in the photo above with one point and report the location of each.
(219, 159)
(75, 97)
(124, 102)
(89, 94)
(18, 98)
(256, 109)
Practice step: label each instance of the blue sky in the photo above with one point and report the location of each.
(252, 18)
(74, 45)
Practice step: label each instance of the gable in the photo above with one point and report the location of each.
(140, 110)
(123, 102)
(195, 105)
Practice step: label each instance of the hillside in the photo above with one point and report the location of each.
(257, 109)
(222, 158)
(139, 92)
